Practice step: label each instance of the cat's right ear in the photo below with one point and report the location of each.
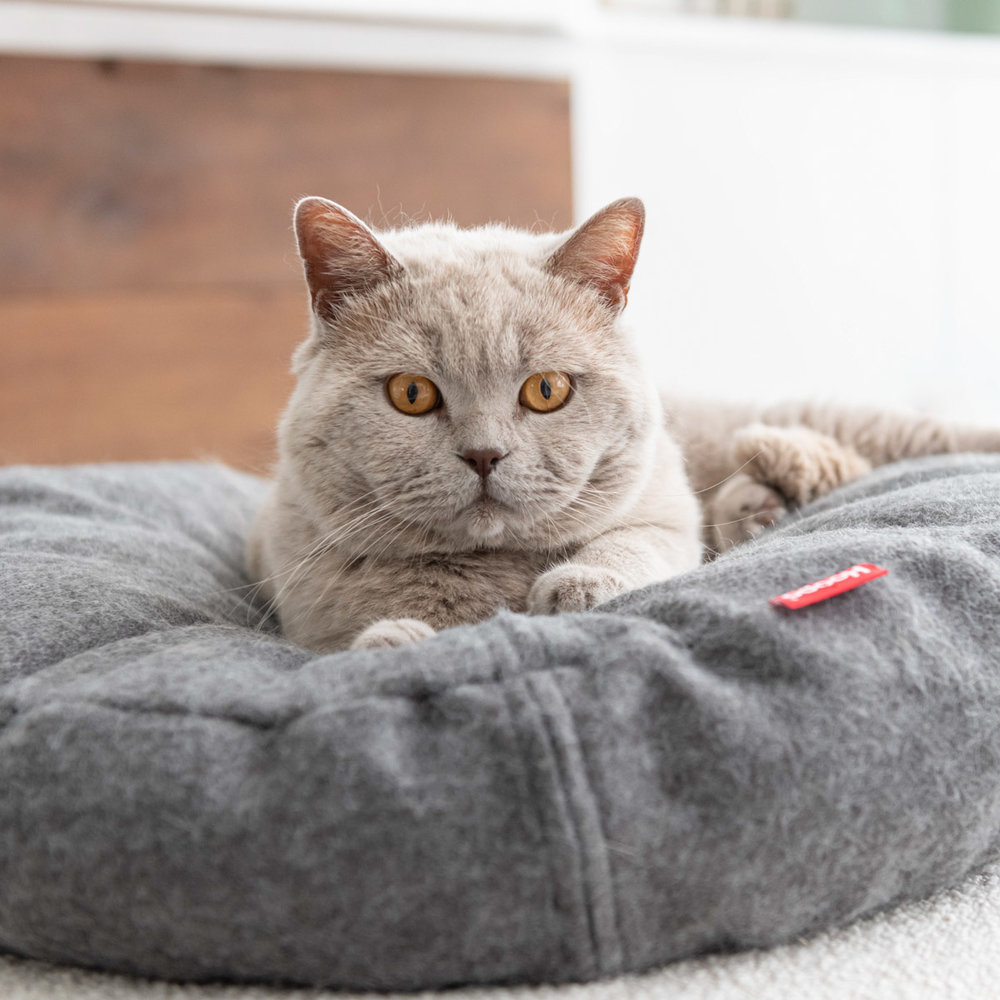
(602, 252)
(342, 256)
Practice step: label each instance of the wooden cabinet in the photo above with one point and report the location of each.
(150, 294)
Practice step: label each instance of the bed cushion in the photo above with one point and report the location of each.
(187, 795)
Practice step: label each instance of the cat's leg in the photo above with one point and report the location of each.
(780, 467)
(800, 463)
(397, 602)
(618, 561)
(660, 537)
(881, 436)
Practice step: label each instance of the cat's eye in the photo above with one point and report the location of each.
(413, 394)
(546, 391)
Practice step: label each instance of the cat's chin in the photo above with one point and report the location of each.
(483, 521)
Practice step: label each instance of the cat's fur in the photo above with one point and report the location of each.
(750, 464)
(383, 527)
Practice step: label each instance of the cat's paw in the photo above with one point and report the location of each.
(573, 587)
(390, 632)
(800, 463)
(741, 510)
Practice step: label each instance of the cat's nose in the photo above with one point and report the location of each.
(482, 460)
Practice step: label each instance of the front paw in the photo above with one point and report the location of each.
(573, 587)
(390, 632)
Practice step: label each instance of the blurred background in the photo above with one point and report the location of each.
(822, 181)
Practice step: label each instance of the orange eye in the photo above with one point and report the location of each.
(413, 394)
(545, 391)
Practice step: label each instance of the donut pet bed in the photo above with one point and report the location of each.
(188, 796)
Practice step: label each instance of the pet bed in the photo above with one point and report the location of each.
(188, 796)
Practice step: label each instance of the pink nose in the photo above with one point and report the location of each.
(482, 460)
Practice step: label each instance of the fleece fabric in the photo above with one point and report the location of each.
(941, 948)
(186, 795)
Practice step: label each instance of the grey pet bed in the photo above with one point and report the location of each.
(187, 795)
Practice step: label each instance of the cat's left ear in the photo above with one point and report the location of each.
(342, 256)
(603, 251)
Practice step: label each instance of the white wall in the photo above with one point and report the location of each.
(824, 206)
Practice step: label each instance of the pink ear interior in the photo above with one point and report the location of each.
(603, 251)
(341, 254)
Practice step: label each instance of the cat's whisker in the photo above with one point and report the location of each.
(601, 506)
(372, 519)
(558, 532)
(330, 540)
(580, 398)
(388, 541)
(731, 475)
(334, 578)
(331, 578)
(610, 511)
(254, 588)
(737, 520)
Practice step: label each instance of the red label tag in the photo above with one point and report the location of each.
(846, 579)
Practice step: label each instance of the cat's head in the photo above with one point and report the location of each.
(467, 388)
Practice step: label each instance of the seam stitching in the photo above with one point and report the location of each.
(597, 888)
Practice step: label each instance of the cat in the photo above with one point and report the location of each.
(472, 429)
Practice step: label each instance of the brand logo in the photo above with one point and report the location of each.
(830, 586)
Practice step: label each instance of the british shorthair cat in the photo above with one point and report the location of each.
(472, 429)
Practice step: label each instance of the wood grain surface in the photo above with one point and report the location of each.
(150, 294)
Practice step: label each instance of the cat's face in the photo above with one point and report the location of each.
(467, 389)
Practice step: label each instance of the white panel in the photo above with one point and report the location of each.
(497, 13)
(823, 208)
(969, 344)
(292, 38)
